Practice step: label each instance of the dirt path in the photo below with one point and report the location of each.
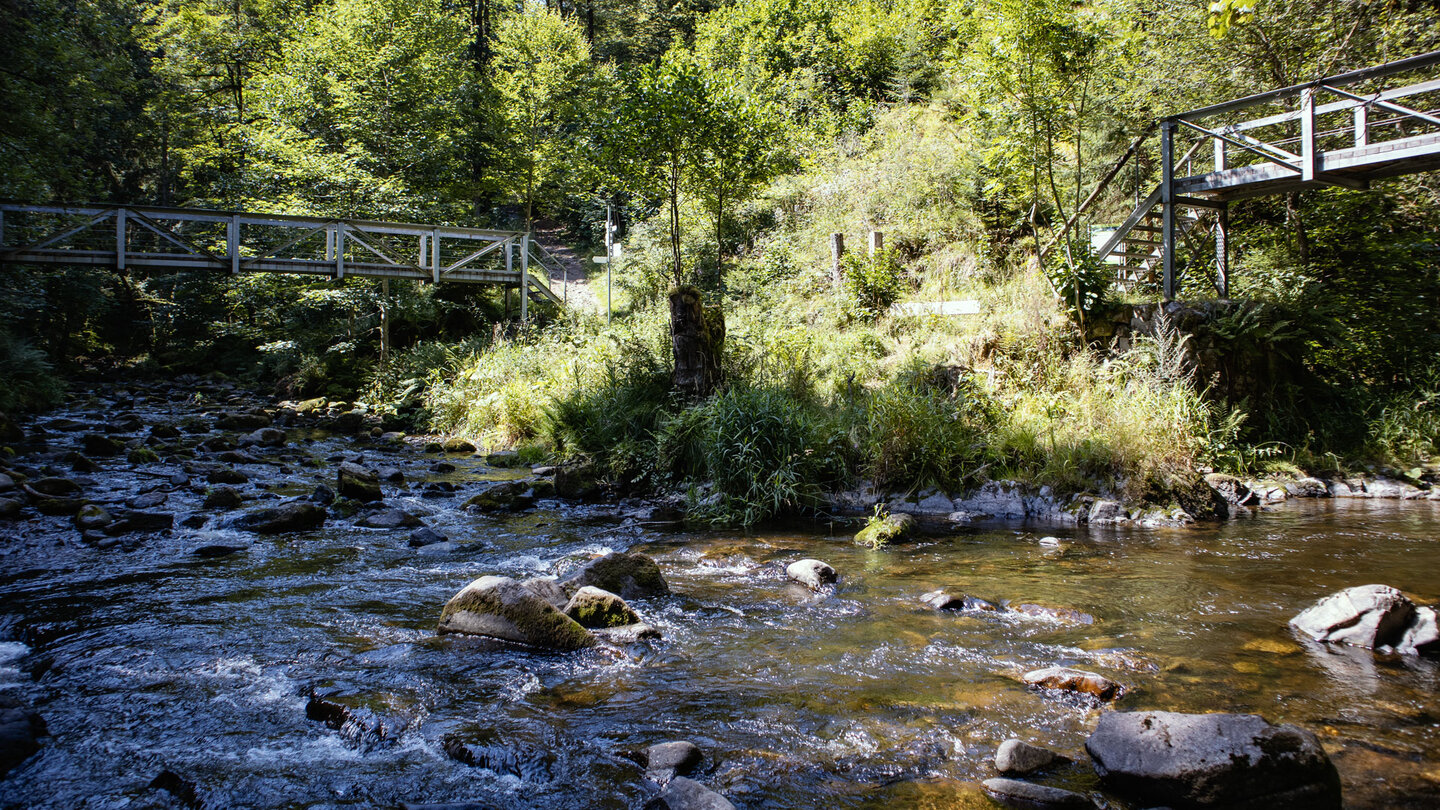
(552, 236)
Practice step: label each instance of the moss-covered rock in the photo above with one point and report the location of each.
(631, 576)
(594, 607)
(295, 516)
(884, 530)
(357, 483)
(577, 481)
(98, 444)
(500, 607)
(143, 455)
(455, 444)
(92, 516)
(506, 496)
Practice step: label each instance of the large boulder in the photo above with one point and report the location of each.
(631, 576)
(1364, 616)
(1422, 635)
(1191, 761)
(295, 516)
(500, 607)
(356, 482)
(594, 607)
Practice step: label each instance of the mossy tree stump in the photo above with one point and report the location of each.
(697, 336)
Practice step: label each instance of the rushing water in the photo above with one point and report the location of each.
(154, 659)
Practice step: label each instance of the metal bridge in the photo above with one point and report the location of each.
(125, 237)
(1344, 130)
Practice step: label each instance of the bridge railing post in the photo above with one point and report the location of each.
(340, 250)
(1307, 134)
(232, 243)
(120, 239)
(435, 255)
(1167, 202)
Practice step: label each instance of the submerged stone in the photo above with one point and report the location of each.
(1075, 680)
(1030, 796)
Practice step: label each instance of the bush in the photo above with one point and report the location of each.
(927, 429)
(30, 381)
(872, 283)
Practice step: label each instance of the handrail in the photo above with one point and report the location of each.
(1374, 72)
(1099, 188)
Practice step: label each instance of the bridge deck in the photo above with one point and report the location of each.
(1359, 163)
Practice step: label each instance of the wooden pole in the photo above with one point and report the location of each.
(837, 252)
(877, 242)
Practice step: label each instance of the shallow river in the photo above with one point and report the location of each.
(153, 659)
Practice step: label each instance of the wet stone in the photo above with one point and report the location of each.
(95, 444)
(425, 536)
(1030, 796)
(80, 463)
(184, 790)
(1017, 757)
(522, 761)
(149, 500)
(1075, 680)
(388, 519)
(686, 794)
(357, 483)
(628, 575)
(10, 508)
(941, 600)
(455, 444)
(295, 516)
(813, 574)
(593, 607)
(224, 498)
(92, 516)
(664, 761)
(55, 487)
(227, 477)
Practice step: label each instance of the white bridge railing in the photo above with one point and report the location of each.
(126, 237)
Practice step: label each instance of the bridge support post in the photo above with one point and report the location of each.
(525, 277)
(435, 255)
(120, 239)
(340, 251)
(232, 243)
(1167, 202)
(1222, 253)
(1307, 134)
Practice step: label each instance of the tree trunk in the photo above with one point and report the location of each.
(697, 336)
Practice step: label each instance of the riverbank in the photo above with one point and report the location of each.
(196, 649)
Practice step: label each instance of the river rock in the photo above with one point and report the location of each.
(1422, 634)
(1027, 795)
(1363, 616)
(294, 516)
(1055, 614)
(6, 482)
(225, 498)
(548, 588)
(389, 519)
(358, 726)
(356, 482)
(55, 487)
(266, 437)
(217, 550)
(242, 421)
(577, 481)
(500, 607)
(1074, 680)
(502, 759)
(142, 455)
(425, 536)
(627, 633)
(20, 733)
(79, 463)
(10, 508)
(1235, 761)
(505, 496)
(96, 444)
(348, 422)
(391, 474)
(886, 530)
(165, 431)
(813, 574)
(92, 516)
(941, 600)
(1017, 757)
(227, 476)
(1232, 489)
(686, 794)
(47, 505)
(137, 522)
(148, 500)
(455, 444)
(629, 575)
(667, 760)
(185, 791)
(594, 607)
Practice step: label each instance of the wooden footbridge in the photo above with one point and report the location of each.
(169, 239)
(1344, 130)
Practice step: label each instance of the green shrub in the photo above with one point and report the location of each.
(29, 379)
(872, 283)
(928, 428)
